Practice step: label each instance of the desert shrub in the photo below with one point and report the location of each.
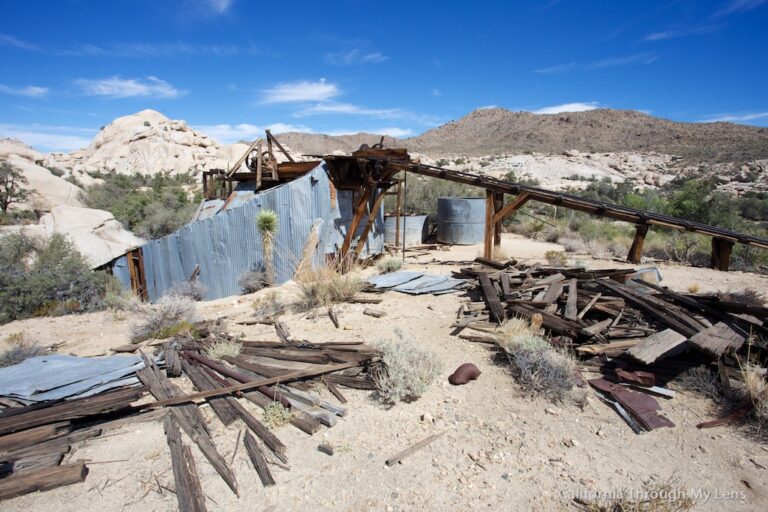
(694, 288)
(702, 380)
(460, 161)
(667, 496)
(537, 366)
(423, 192)
(20, 348)
(221, 348)
(194, 289)
(151, 206)
(275, 415)
(756, 388)
(442, 162)
(172, 315)
(252, 281)
(746, 296)
(267, 305)
(556, 258)
(49, 277)
(388, 265)
(326, 285)
(406, 370)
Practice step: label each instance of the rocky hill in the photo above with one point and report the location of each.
(499, 131)
(319, 144)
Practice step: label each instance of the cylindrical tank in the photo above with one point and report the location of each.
(460, 220)
(415, 230)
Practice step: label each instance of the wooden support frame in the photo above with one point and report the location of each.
(135, 260)
(489, 224)
(721, 254)
(359, 212)
(498, 204)
(371, 218)
(636, 251)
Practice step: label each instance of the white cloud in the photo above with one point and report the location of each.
(557, 68)
(680, 32)
(735, 118)
(640, 58)
(567, 107)
(293, 92)
(49, 138)
(392, 132)
(487, 107)
(736, 6)
(436, 92)
(153, 50)
(15, 42)
(228, 133)
(333, 107)
(31, 91)
(643, 58)
(218, 6)
(116, 87)
(354, 56)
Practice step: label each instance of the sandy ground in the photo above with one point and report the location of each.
(500, 451)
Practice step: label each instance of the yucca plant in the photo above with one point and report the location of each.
(268, 223)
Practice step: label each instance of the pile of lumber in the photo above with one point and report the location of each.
(34, 439)
(624, 326)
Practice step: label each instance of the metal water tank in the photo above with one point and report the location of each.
(415, 230)
(460, 220)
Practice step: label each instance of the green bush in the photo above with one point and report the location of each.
(150, 206)
(51, 279)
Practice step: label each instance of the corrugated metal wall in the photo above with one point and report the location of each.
(227, 245)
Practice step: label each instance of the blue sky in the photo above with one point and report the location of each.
(234, 67)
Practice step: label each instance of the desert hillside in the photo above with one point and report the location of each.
(499, 131)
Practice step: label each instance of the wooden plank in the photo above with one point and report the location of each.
(588, 306)
(506, 285)
(282, 331)
(479, 338)
(658, 346)
(33, 436)
(489, 224)
(334, 318)
(597, 328)
(220, 404)
(636, 251)
(189, 492)
(172, 360)
(270, 439)
(371, 218)
(42, 480)
(553, 293)
(335, 391)
(358, 216)
(717, 340)
(602, 348)
(571, 305)
(413, 449)
(492, 297)
(258, 460)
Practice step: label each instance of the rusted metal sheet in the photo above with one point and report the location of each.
(642, 407)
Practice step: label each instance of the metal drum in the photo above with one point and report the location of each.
(415, 230)
(460, 220)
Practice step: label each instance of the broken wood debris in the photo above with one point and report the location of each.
(622, 324)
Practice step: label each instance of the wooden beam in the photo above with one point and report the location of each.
(636, 251)
(721, 254)
(511, 207)
(42, 480)
(371, 218)
(489, 224)
(359, 212)
(498, 204)
(279, 146)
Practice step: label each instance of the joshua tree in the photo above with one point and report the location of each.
(11, 180)
(267, 223)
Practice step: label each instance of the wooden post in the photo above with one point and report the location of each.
(489, 224)
(721, 254)
(636, 251)
(371, 218)
(398, 211)
(359, 212)
(259, 164)
(498, 204)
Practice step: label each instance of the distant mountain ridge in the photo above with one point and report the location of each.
(500, 131)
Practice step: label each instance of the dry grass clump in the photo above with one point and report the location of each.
(702, 380)
(275, 415)
(172, 315)
(220, 348)
(662, 497)
(556, 258)
(694, 288)
(267, 305)
(252, 281)
(20, 349)
(756, 389)
(538, 367)
(407, 369)
(388, 265)
(746, 296)
(327, 285)
(192, 289)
